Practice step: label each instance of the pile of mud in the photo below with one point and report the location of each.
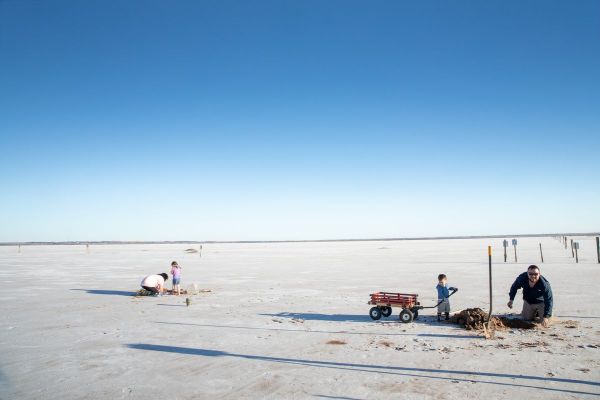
(144, 292)
(476, 319)
(471, 319)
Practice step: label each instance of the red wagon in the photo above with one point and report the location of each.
(384, 301)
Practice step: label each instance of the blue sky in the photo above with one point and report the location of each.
(271, 120)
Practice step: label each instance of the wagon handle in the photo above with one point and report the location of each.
(454, 290)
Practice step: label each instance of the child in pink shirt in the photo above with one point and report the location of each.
(176, 272)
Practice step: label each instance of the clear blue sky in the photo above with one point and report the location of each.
(218, 120)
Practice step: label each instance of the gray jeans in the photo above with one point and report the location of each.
(530, 310)
(444, 306)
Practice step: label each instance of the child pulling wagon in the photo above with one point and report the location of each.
(408, 302)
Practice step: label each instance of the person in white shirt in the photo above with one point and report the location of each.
(155, 283)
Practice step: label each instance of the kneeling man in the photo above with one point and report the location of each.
(537, 295)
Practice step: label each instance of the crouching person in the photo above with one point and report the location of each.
(155, 283)
(537, 296)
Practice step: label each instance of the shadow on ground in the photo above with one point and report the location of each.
(220, 327)
(429, 373)
(171, 305)
(392, 319)
(322, 317)
(108, 292)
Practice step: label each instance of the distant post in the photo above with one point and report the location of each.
(490, 277)
(505, 244)
(572, 249)
(87, 248)
(200, 252)
(541, 254)
(565, 242)
(514, 243)
(596, 240)
(576, 246)
(598, 248)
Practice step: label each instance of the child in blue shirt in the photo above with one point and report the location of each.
(443, 294)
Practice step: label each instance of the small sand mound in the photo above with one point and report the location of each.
(191, 250)
(571, 324)
(539, 343)
(182, 291)
(476, 318)
(337, 342)
(144, 292)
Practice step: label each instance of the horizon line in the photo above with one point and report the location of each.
(113, 242)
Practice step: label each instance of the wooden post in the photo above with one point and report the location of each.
(598, 248)
(505, 245)
(541, 254)
(565, 242)
(87, 248)
(572, 249)
(200, 252)
(490, 278)
(20, 250)
(576, 255)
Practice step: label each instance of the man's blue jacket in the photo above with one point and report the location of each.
(540, 292)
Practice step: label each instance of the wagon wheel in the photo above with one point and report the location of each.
(406, 316)
(415, 312)
(386, 311)
(375, 313)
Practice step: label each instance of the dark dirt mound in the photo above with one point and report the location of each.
(571, 324)
(516, 323)
(476, 318)
(182, 291)
(144, 292)
(470, 319)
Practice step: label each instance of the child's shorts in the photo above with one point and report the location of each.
(444, 306)
(176, 281)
